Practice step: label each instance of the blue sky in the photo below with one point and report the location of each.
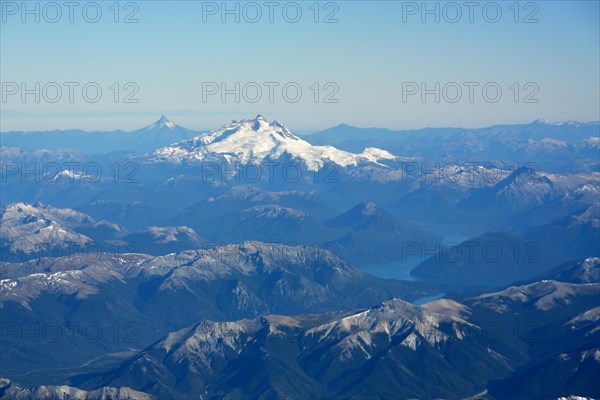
(369, 58)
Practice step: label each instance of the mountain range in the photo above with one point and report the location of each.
(160, 133)
(444, 349)
(559, 147)
(172, 263)
(143, 295)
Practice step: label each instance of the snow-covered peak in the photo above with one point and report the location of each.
(11, 390)
(253, 141)
(392, 317)
(162, 123)
(36, 228)
(250, 130)
(21, 210)
(209, 340)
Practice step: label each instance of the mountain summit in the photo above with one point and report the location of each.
(252, 141)
(163, 132)
(162, 123)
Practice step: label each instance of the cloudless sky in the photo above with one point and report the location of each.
(369, 55)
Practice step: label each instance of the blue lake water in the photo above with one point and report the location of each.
(401, 269)
(394, 270)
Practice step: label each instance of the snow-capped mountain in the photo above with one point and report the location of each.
(37, 230)
(162, 123)
(167, 293)
(317, 356)
(164, 131)
(293, 278)
(253, 141)
(28, 229)
(12, 391)
(395, 317)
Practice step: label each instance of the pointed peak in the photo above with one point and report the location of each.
(162, 123)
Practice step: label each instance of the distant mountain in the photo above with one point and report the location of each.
(256, 141)
(162, 123)
(102, 231)
(19, 155)
(581, 271)
(239, 197)
(157, 240)
(492, 259)
(392, 350)
(573, 200)
(525, 188)
(576, 235)
(61, 177)
(372, 235)
(366, 234)
(160, 133)
(353, 138)
(134, 215)
(559, 147)
(267, 223)
(12, 391)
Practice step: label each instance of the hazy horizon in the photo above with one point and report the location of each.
(356, 62)
(146, 121)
